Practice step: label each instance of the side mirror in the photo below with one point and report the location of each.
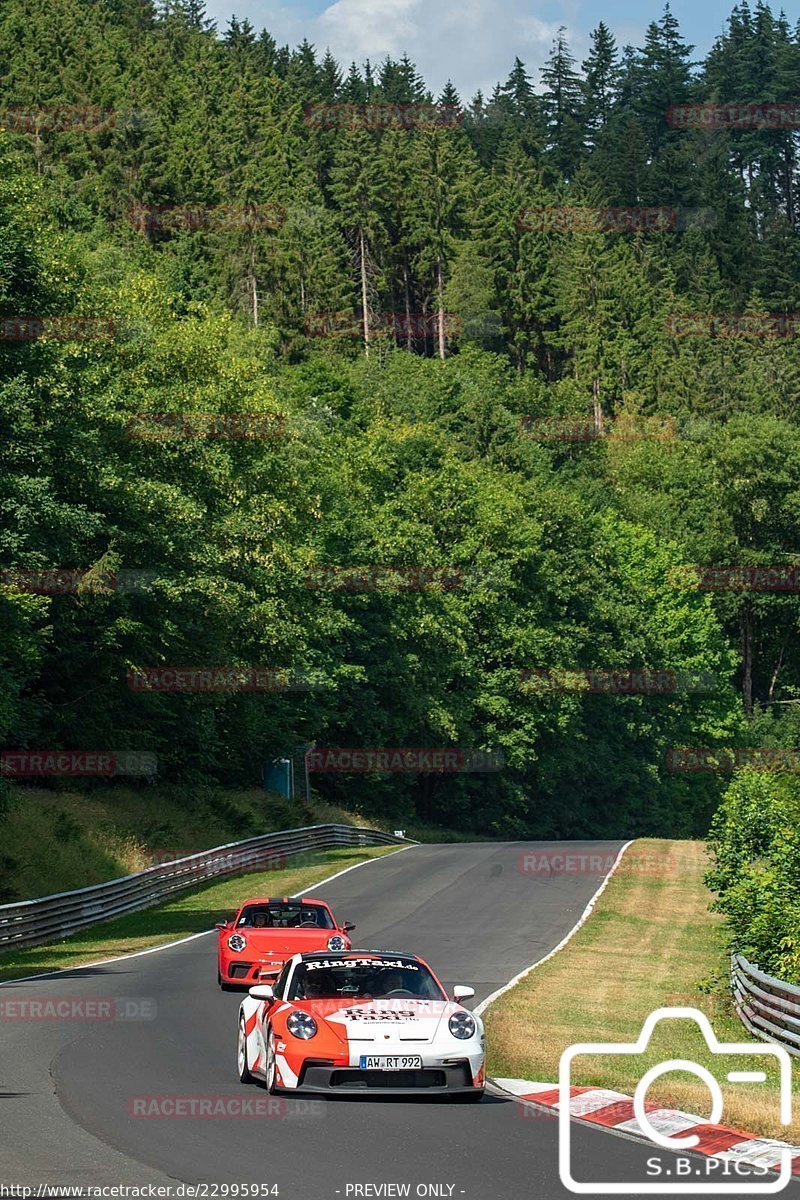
(460, 992)
(348, 925)
(221, 925)
(263, 991)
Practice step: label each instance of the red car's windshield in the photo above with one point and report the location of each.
(368, 979)
(285, 916)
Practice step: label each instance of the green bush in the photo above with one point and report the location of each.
(755, 847)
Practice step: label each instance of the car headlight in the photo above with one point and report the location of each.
(462, 1025)
(336, 942)
(301, 1025)
(237, 942)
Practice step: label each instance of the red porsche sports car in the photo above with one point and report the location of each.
(265, 933)
(361, 1022)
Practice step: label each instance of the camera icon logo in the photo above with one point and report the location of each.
(672, 1142)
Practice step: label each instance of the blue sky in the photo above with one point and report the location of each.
(472, 41)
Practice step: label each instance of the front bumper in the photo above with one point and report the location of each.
(247, 973)
(426, 1080)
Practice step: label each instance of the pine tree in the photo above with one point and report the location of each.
(329, 79)
(354, 89)
(266, 56)
(449, 98)
(518, 90)
(442, 188)
(397, 159)
(413, 85)
(302, 77)
(196, 16)
(358, 186)
(520, 258)
(239, 37)
(309, 268)
(524, 110)
(664, 79)
(369, 81)
(562, 101)
(601, 81)
(485, 122)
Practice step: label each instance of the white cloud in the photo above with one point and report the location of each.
(469, 41)
(472, 42)
(359, 29)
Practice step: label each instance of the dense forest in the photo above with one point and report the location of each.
(379, 348)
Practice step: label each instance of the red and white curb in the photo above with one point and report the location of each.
(612, 1110)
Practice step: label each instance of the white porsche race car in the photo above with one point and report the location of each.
(361, 1021)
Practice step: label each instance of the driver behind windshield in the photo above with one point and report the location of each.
(319, 986)
(362, 981)
(388, 982)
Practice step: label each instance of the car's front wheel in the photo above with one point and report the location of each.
(271, 1066)
(241, 1055)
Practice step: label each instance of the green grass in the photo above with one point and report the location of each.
(650, 943)
(55, 841)
(191, 912)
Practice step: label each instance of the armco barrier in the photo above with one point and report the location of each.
(50, 918)
(769, 1008)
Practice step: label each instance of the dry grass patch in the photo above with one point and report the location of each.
(650, 943)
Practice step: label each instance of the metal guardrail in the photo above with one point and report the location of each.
(768, 1007)
(51, 918)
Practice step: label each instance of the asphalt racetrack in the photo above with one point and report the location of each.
(66, 1087)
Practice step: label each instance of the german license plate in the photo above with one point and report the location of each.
(390, 1062)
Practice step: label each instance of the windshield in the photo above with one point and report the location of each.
(285, 916)
(367, 979)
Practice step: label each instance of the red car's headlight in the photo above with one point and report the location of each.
(237, 942)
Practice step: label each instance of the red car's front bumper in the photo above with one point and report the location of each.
(246, 972)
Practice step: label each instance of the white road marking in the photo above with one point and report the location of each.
(484, 1004)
